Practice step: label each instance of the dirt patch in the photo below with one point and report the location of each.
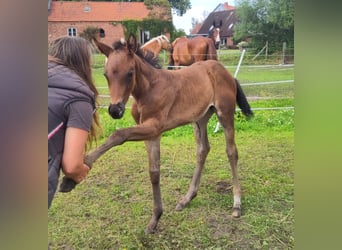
(224, 187)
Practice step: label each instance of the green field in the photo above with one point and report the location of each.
(111, 208)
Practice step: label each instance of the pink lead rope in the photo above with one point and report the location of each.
(54, 131)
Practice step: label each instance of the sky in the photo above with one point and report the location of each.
(197, 10)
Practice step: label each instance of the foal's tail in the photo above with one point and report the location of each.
(242, 101)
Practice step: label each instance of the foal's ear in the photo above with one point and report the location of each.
(132, 43)
(104, 48)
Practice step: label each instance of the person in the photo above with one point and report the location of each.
(72, 120)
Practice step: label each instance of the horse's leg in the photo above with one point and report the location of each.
(91, 157)
(203, 148)
(153, 150)
(140, 132)
(232, 153)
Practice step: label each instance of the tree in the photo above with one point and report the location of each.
(180, 6)
(265, 20)
(194, 22)
(177, 33)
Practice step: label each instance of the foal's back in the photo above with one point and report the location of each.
(191, 91)
(204, 74)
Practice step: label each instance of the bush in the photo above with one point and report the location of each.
(243, 44)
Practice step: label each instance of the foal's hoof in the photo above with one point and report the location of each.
(150, 230)
(236, 212)
(67, 185)
(179, 207)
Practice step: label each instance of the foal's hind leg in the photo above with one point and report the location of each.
(203, 149)
(153, 150)
(232, 153)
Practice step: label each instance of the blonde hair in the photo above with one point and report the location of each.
(75, 53)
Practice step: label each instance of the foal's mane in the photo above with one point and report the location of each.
(147, 56)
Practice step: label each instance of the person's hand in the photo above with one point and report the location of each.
(82, 174)
(87, 161)
(69, 184)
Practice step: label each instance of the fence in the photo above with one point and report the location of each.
(261, 90)
(259, 81)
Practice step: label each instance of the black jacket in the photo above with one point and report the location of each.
(64, 87)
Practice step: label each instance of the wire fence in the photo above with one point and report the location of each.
(278, 87)
(263, 77)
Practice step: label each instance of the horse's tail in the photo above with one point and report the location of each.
(211, 51)
(242, 100)
(171, 61)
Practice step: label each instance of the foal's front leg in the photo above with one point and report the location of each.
(153, 150)
(137, 133)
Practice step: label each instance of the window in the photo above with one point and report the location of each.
(86, 9)
(146, 36)
(72, 31)
(223, 41)
(102, 32)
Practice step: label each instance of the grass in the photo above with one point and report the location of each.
(111, 208)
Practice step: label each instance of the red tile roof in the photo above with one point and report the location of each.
(196, 28)
(97, 11)
(228, 7)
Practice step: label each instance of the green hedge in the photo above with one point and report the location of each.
(155, 26)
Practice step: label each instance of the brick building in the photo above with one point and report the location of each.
(71, 18)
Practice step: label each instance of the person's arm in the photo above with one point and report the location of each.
(72, 161)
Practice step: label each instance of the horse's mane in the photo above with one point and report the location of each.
(147, 56)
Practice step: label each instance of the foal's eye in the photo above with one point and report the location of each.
(130, 74)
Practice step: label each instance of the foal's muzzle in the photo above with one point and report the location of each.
(116, 110)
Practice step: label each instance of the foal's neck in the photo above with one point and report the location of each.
(145, 76)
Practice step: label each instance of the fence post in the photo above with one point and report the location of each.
(239, 64)
(284, 52)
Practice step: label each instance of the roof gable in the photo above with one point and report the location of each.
(223, 6)
(196, 28)
(96, 11)
(228, 19)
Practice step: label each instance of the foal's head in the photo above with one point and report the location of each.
(120, 71)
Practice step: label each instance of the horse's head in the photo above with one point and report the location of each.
(165, 42)
(215, 33)
(119, 72)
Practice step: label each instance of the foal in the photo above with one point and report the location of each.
(164, 100)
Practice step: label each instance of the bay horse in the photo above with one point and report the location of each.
(186, 51)
(156, 44)
(164, 100)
